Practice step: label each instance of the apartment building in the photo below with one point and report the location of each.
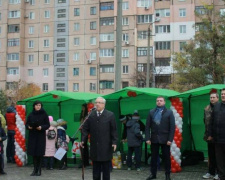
(70, 45)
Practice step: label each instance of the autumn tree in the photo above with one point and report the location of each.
(3, 101)
(203, 58)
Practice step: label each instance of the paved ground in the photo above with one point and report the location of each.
(73, 173)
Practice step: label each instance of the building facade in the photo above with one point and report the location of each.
(70, 45)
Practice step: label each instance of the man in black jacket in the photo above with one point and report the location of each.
(101, 126)
(161, 123)
(217, 133)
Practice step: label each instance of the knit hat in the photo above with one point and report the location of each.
(50, 118)
(53, 123)
(135, 116)
(122, 118)
(61, 122)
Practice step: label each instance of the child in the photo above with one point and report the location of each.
(61, 141)
(51, 138)
(2, 138)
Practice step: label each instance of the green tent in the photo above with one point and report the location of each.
(195, 101)
(66, 105)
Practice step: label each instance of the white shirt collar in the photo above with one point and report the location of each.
(99, 112)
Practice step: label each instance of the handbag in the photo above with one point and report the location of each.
(62, 144)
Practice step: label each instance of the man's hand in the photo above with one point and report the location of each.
(168, 143)
(82, 144)
(38, 128)
(210, 138)
(0, 139)
(114, 147)
(30, 127)
(148, 142)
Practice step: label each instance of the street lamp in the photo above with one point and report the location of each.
(148, 58)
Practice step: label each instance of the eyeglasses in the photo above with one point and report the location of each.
(99, 103)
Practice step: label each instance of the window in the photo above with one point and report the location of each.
(60, 86)
(202, 27)
(125, 37)
(125, 52)
(93, 25)
(46, 43)
(92, 71)
(30, 58)
(76, 26)
(12, 71)
(182, 44)
(46, 28)
(76, 41)
(222, 12)
(125, 21)
(61, 42)
(92, 86)
(32, 2)
(92, 56)
(142, 34)
(92, 10)
(162, 29)
(125, 69)
(163, 45)
(76, 11)
(106, 52)
(106, 6)
(14, 1)
(142, 51)
(47, 14)
(61, 27)
(107, 21)
(31, 15)
(61, 57)
(45, 72)
(46, 57)
(162, 12)
(12, 85)
(125, 5)
(61, 1)
(14, 28)
(60, 73)
(162, 61)
(31, 30)
(75, 86)
(107, 37)
(13, 42)
(144, 18)
(76, 71)
(45, 87)
(142, 67)
(30, 72)
(47, 1)
(107, 68)
(125, 84)
(182, 29)
(143, 3)
(13, 56)
(76, 56)
(182, 12)
(30, 44)
(106, 84)
(14, 14)
(163, 79)
(61, 13)
(201, 10)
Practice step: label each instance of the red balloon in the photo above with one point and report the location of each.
(20, 163)
(179, 169)
(89, 109)
(181, 138)
(173, 170)
(175, 138)
(134, 94)
(129, 93)
(90, 105)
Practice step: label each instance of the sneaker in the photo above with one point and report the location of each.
(207, 176)
(216, 177)
(138, 169)
(129, 169)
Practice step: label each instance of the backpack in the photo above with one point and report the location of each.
(51, 134)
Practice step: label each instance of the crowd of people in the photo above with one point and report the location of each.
(99, 126)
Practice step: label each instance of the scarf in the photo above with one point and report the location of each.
(158, 115)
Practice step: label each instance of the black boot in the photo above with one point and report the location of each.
(151, 177)
(168, 177)
(39, 166)
(35, 166)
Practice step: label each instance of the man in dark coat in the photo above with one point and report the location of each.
(101, 126)
(37, 123)
(217, 133)
(2, 138)
(161, 123)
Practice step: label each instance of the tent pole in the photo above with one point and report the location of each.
(192, 139)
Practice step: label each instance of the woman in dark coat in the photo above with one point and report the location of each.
(37, 124)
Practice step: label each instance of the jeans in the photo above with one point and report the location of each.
(137, 151)
(10, 149)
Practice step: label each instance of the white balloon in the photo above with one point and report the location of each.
(179, 161)
(176, 158)
(174, 145)
(17, 153)
(177, 150)
(181, 130)
(174, 111)
(173, 153)
(172, 108)
(179, 126)
(177, 115)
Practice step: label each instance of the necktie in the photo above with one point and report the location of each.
(99, 114)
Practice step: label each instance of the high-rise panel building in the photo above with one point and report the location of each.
(70, 45)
